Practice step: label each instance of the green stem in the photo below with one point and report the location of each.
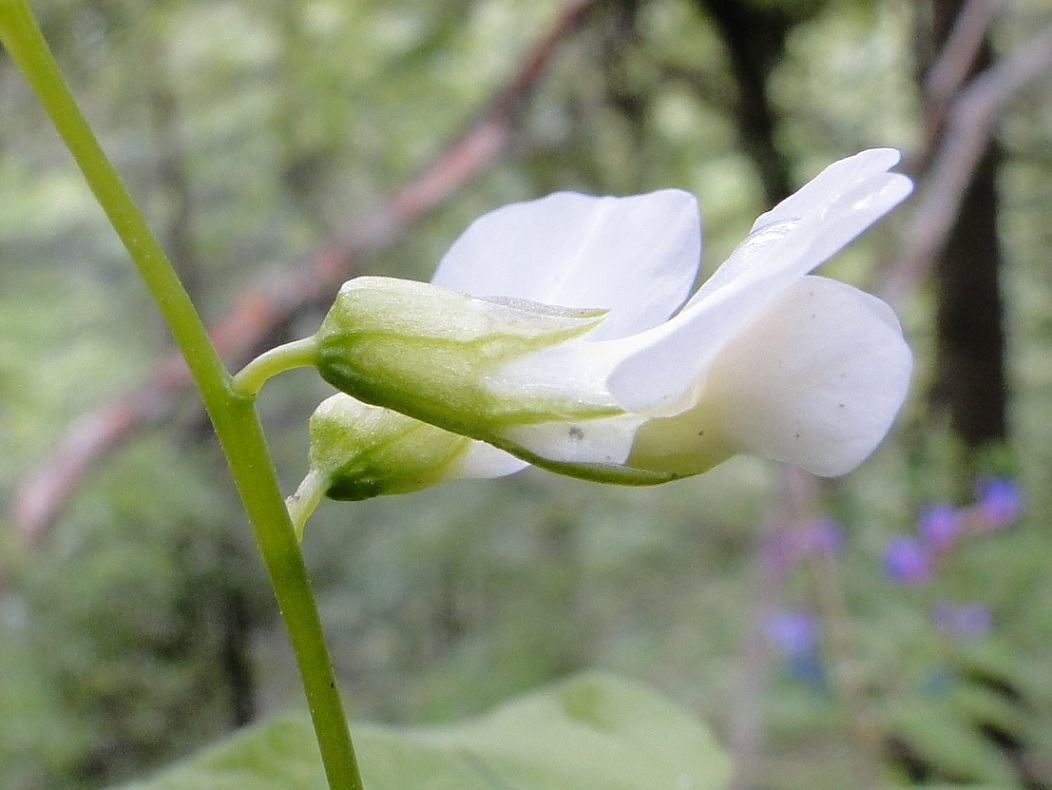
(233, 414)
(297, 354)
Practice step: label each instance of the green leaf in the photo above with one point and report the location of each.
(593, 732)
(948, 744)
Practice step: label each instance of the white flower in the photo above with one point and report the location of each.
(764, 359)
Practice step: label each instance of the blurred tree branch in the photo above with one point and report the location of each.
(262, 316)
(951, 66)
(969, 386)
(961, 105)
(970, 123)
(952, 233)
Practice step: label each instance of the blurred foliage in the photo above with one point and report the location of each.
(586, 733)
(134, 621)
(250, 132)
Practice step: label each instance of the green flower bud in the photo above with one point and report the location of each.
(438, 355)
(359, 451)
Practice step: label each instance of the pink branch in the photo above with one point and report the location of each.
(969, 126)
(954, 64)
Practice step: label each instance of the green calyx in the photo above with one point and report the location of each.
(428, 352)
(366, 451)
(359, 452)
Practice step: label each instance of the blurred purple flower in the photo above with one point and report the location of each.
(823, 537)
(788, 546)
(965, 621)
(939, 526)
(906, 561)
(998, 502)
(792, 632)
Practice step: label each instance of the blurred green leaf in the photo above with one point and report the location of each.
(950, 746)
(593, 732)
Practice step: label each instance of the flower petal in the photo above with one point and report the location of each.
(604, 441)
(662, 365)
(816, 381)
(833, 181)
(483, 461)
(836, 206)
(635, 256)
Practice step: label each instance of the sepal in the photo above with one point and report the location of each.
(437, 354)
(358, 451)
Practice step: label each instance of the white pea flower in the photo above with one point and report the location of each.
(546, 332)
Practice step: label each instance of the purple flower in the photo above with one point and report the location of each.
(906, 561)
(793, 632)
(938, 526)
(998, 502)
(964, 621)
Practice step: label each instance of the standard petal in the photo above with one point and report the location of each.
(635, 256)
(838, 178)
(854, 211)
(783, 245)
(816, 381)
(660, 366)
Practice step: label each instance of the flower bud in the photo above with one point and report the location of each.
(437, 354)
(359, 451)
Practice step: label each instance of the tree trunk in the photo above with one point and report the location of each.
(970, 383)
(755, 36)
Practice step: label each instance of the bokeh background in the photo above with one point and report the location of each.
(891, 628)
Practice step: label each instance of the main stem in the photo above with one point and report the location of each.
(233, 414)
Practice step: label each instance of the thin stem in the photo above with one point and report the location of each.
(297, 354)
(846, 680)
(233, 414)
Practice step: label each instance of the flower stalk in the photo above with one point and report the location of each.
(231, 410)
(297, 354)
